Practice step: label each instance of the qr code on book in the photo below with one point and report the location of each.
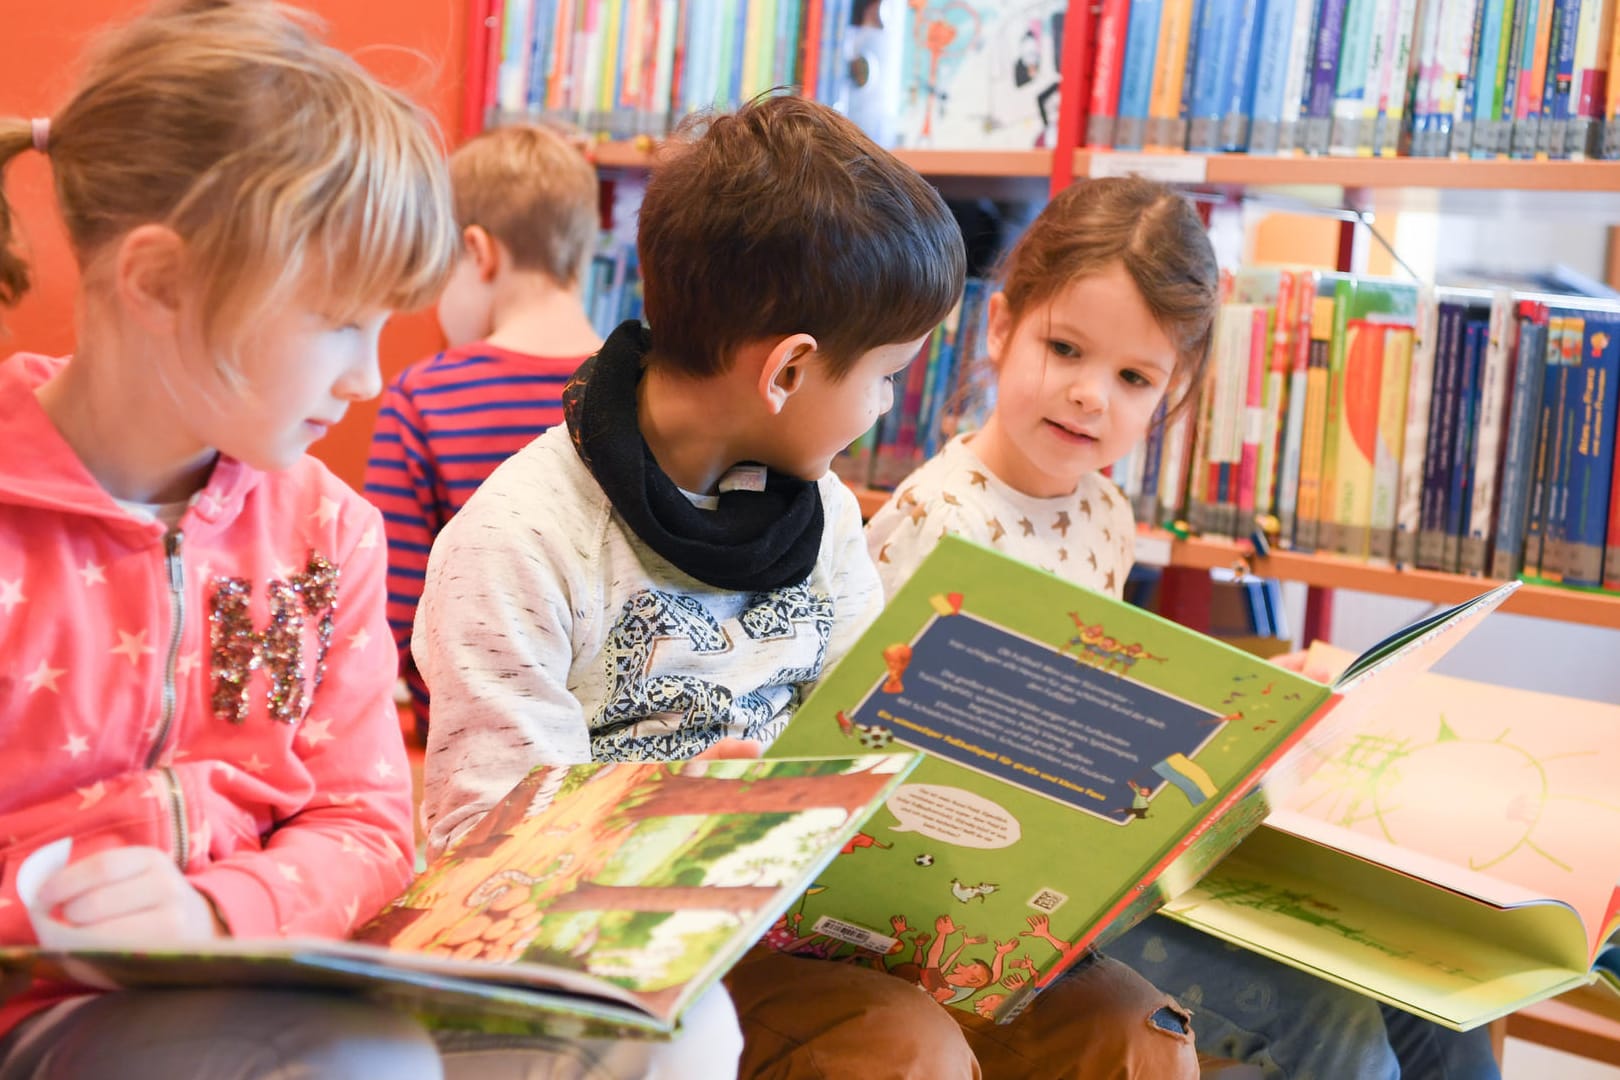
(1048, 900)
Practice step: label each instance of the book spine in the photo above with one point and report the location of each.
(1546, 437)
(1532, 77)
(1297, 71)
(1327, 534)
(1487, 68)
(1237, 97)
(1216, 32)
(1611, 108)
(1588, 86)
(1397, 373)
(1136, 78)
(1317, 116)
(1456, 42)
(1496, 370)
(1270, 76)
(1350, 87)
(1442, 431)
(1398, 88)
(1611, 555)
(1462, 122)
(1507, 553)
(1283, 316)
(1307, 524)
(1420, 387)
(1169, 68)
(1102, 117)
(1460, 490)
(1174, 463)
(1501, 143)
(1552, 135)
(1425, 77)
(1592, 453)
(1253, 419)
(1380, 73)
(1360, 381)
(1146, 504)
(1288, 478)
(1553, 527)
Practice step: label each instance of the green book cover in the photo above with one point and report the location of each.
(594, 900)
(1086, 760)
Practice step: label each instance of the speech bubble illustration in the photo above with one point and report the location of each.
(953, 815)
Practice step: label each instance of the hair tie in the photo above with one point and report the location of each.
(42, 133)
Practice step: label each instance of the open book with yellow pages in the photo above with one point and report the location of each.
(1454, 855)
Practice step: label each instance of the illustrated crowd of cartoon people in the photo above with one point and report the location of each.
(1094, 647)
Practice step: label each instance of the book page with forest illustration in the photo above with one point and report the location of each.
(628, 884)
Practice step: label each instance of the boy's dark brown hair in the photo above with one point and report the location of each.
(782, 218)
(531, 189)
(1147, 228)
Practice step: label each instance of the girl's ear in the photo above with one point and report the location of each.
(784, 370)
(998, 329)
(149, 276)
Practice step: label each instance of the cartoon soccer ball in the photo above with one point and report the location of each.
(873, 737)
(924, 860)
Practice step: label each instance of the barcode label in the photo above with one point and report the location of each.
(1048, 900)
(855, 935)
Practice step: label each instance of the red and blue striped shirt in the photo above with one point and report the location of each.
(445, 424)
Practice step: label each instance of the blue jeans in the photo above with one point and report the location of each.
(1291, 1025)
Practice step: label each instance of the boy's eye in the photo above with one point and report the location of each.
(1063, 348)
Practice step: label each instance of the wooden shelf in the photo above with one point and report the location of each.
(1235, 169)
(1034, 164)
(1331, 572)
(1258, 170)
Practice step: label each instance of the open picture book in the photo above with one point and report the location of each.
(597, 899)
(1454, 856)
(1086, 761)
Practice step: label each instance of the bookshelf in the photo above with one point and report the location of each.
(1157, 547)
(1237, 170)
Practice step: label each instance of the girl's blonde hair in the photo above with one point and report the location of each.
(286, 169)
(1147, 228)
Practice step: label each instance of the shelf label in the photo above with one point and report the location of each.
(1165, 168)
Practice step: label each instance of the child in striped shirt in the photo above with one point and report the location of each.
(526, 204)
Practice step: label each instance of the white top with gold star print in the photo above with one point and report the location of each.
(1088, 537)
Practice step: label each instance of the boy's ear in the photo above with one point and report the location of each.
(784, 370)
(148, 270)
(483, 250)
(998, 328)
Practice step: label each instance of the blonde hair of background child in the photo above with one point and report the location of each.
(287, 171)
(1148, 229)
(530, 187)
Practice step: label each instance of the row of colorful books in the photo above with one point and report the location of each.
(1469, 78)
(1463, 430)
(625, 68)
(1481, 78)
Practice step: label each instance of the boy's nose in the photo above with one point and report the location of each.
(363, 381)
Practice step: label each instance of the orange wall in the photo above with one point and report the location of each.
(416, 44)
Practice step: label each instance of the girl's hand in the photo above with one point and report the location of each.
(1296, 662)
(130, 894)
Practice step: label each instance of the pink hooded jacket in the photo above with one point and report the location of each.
(221, 692)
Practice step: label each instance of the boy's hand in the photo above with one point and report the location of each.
(731, 750)
(1296, 662)
(130, 894)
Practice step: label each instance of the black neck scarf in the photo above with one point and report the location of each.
(754, 541)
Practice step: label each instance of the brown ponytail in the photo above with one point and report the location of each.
(15, 137)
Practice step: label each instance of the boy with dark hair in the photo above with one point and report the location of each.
(672, 571)
(526, 204)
